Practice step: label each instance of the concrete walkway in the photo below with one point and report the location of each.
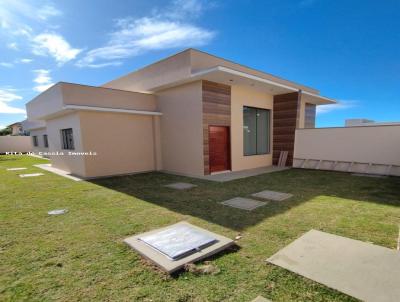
(228, 176)
(362, 270)
(62, 173)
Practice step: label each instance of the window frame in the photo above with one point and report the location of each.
(35, 141)
(45, 141)
(65, 143)
(269, 128)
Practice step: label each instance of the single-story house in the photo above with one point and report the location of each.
(191, 113)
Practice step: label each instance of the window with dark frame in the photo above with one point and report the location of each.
(35, 141)
(256, 131)
(67, 139)
(45, 141)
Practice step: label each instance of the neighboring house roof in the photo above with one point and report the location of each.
(15, 124)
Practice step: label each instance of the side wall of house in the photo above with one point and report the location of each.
(244, 96)
(39, 134)
(181, 129)
(123, 143)
(70, 163)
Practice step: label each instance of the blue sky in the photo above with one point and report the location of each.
(349, 50)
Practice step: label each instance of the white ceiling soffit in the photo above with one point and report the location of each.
(230, 76)
(312, 98)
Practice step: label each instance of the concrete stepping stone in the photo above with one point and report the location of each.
(261, 299)
(30, 175)
(16, 169)
(180, 186)
(244, 203)
(271, 195)
(362, 270)
(57, 212)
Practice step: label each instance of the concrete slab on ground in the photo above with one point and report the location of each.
(272, 195)
(180, 186)
(244, 203)
(30, 175)
(16, 169)
(166, 263)
(48, 167)
(233, 175)
(362, 270)
(261, 299)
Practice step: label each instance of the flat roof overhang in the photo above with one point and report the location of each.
(228, 76)
(65, 98)
(66, 109)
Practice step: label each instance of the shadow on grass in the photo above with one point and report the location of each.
(204, 200)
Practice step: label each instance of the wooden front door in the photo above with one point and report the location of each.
(219, 148)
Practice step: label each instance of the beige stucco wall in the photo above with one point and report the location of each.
(40, 148)
(69, 163)
(124, 143)
(180, 66)
(82, 95)
(244, 96)
(15, 144)
(302, 114)
(171, 69)
(200, 60)
(181, 129)
(375, 144)
(47, 102)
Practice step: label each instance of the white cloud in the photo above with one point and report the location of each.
(13, 46)
(15, 13)
(184, 9)
(6, 96)
(54, 45)
(48, 11)
(6, 64)
(2, 127)
(158, 31)
(340, 105)
(25, 61)
(106, 64)
(19, 17)
(42, 79)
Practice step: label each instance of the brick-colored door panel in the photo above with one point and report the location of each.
(219, 148)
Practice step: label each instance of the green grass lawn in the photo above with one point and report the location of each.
(81, 256)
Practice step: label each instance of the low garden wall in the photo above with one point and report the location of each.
(364, 149)
(18, 144)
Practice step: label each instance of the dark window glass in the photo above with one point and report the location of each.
(35, 141)
(67, 139)
(45, 140)
(256, 131)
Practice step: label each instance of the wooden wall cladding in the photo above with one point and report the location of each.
(285, 120)
(216, 112)
(310, 114)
